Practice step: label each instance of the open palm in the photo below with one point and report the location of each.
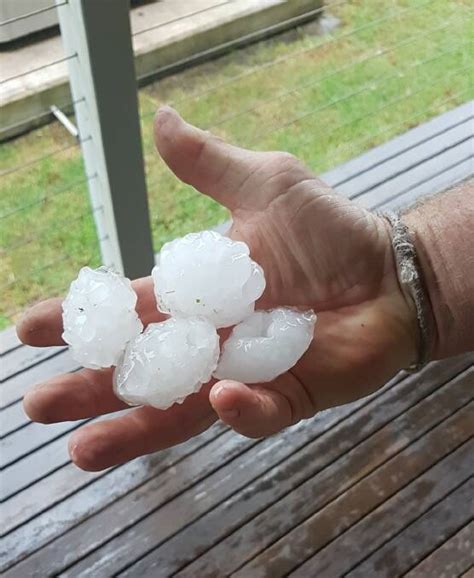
(318, 250)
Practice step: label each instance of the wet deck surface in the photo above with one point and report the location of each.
(382, 487)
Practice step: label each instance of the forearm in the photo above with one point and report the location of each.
(443, 232)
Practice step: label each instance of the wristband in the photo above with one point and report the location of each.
(411, 282)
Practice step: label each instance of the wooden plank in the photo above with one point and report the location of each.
(158, 490)
(12, 418)
(363, 538)
(405, 162)
(419, 174)
(406, 141)
(15, 387)
(8, 340)
(45, 491)
(225, 484)
(283, 513)
(469, 573)
(44, 494)
(23, 358)
(71, 481)
(439, 182)
(285, 554)
(120, 515)
(400, 553)
(33, 467)
(452, 558)
(40, 463)
(32, 437)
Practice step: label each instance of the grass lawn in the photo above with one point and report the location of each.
(388, 66)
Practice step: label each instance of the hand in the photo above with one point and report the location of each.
(318, 250)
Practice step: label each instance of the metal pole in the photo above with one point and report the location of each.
(103, 83)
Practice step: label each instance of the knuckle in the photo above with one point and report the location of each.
(287, 161)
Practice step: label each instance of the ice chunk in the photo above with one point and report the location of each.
(209, 275)
(167, 362)
(99, 317)
(265, 345)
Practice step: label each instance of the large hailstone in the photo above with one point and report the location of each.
(265, 345)
(167, 362)
(99, 317)
(209, 275)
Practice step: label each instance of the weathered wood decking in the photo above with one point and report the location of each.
(380, 487)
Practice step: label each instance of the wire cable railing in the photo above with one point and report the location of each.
(225, 47)
(49, 196)
(261, 118)
(44, 231)
(353, 149)
(368, 87)
(378, 53)
(47, 114)
(33, 13)
(330, 39)
(185, 16)
(37, 160)
(37, 69)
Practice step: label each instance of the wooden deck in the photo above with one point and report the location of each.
(382, 487)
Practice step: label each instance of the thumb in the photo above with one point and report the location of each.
(201, 159)
(253, 412)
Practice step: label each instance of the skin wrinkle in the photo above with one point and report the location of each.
(309, 407)
(201, 153)
(277, 394)
(321, 304)
(251, 174)
(356, 288)
(279, 233)
(279, 183)
(370, 225)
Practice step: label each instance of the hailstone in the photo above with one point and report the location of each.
(99, 317)
(167, 362)
(265, 345)
(209, 275)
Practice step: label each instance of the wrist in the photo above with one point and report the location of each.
(442, 229)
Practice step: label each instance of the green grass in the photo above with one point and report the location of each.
(389, 66)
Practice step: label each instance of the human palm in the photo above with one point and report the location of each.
(318, 250)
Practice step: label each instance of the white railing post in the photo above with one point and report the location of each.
(103, 85)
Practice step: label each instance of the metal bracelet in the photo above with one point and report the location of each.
(409, 277)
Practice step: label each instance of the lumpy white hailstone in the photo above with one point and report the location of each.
(167, 362)
(209, 275)
(265, 345)
(204, 281)
(99, 317)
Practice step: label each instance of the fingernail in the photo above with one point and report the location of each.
(230, 413)
(218, 389)
(72, 450)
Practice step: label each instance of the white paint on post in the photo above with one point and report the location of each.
(83, 91)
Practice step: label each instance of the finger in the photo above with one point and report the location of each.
(141, 431)
(202, 160)
(42, 324)
(259, 411)
(72, 396)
